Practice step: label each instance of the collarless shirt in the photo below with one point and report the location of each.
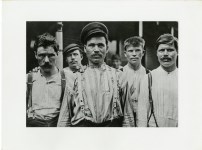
(96, 91)
(131, 81)
(165, 98)
(45, 96)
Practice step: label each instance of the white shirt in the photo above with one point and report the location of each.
(165, 99)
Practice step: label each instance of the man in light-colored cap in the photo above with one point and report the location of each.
(158, 107)
(73, 55)
(96, 101)
(133, 72)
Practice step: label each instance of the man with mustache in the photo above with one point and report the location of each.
(133, 73)
(45, 87)
(73, 55)
(160, 107)
(95, 100)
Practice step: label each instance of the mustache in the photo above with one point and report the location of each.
(73, 62)
(165, 57)
(94, 55)
(46, 65)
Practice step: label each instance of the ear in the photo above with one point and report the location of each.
(85, 48)
(35, 53)
(107, 49)
(125, 53)
(143, 52)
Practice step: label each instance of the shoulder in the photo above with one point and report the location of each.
(156, 70)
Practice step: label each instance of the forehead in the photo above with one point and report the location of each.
(74, 52)
(48, 49)
(166, 46)
(96, 40)
(131, 47)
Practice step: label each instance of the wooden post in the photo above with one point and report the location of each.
(140, 28)
(172, 31)
(59, 37)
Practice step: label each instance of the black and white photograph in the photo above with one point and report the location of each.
(97, 74)
(112, 75)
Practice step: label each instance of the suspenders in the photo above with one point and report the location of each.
(30, 84)
(150, 99)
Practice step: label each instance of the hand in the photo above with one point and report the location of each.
(36, 69)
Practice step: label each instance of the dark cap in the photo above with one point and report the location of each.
(72, 47)
(93, 28)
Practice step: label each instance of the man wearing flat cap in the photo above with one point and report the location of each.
(158, 107)
(73, 55)
(96, 100)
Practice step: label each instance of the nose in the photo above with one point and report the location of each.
(165, 52)
(96, 49)
(134, 53)
(46, 59)
(73, 57)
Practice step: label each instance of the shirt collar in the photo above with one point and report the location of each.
(162, 70)
(102, 66)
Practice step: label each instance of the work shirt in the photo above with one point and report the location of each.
(165, 99)
(96, 97)
(79, 68)
(46, 96)
(131, 81)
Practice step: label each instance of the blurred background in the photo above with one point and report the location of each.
(68, 32)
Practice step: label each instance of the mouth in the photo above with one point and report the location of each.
(134, 59)
(73, 62)
(166, 59)
(97, 56)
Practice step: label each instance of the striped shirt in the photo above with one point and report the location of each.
(132, 82)
(165, 99)
(46, 95)
(96, 97)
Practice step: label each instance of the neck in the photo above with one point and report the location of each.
(169, 69)
(74, 69)
(48, 74)
(134, 66)
(95, 64)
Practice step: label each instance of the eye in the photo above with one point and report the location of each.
(137, 50)
(41, 55)
(170, 50)
(100, 45)
(161, 50)
(51, 55)
(130, 51)
(91, 45)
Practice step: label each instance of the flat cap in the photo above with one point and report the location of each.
(93, 28)
(72, 47)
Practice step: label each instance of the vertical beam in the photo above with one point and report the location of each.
(172, 31)
(59, 37)
(140, 28)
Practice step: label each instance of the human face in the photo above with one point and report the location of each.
(46, 57)
(74, 59)
(96, 50)
(134, 54)
(116, 63)
(167, 56)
